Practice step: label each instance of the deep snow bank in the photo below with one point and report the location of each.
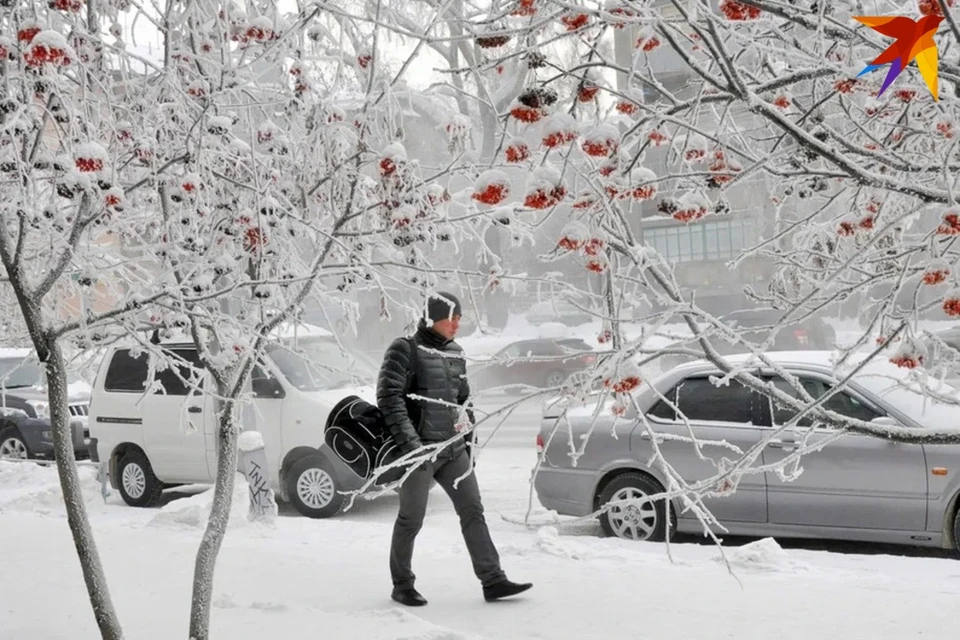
(195, 510)
(762, 555)
(35, 488)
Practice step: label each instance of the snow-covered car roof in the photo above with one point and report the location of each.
(290, 330)
(904, 390)
(285, 331)
(8, 352)
(817, 359)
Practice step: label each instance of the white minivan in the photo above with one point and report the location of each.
(153, 441)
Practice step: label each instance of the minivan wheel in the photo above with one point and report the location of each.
(646, 521)
(139, 487)
(313, 489)
(12, 445)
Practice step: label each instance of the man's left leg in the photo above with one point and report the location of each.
(467, 503)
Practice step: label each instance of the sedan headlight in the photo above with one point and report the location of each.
(41, 408)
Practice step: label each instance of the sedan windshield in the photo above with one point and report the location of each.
(889, 383)
(314, 364)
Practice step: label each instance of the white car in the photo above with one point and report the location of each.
(152, 441)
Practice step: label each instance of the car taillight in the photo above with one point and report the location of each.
(588, 360)
(539, 443)
(801, 336)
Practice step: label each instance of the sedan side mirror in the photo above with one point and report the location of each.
(886, 421)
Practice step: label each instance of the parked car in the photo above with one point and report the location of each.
(557, 311)
(542, 363)
(856, 488)
(25, 429)
(755, 325)
(329, 316)
(151, 441)
(950, 337)
(810, 333)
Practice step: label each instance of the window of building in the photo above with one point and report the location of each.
(712, 240)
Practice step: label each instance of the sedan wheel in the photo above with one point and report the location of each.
(554, 379)
(637, 520)
(956, 532)
(634, 521)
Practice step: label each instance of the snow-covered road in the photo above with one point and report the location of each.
(329, 578)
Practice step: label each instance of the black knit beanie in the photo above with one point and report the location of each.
(438, 306)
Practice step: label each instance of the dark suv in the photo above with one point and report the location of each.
(25, 430)
(813, 334)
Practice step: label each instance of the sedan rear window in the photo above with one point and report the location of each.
(700, 401)
(579, 345)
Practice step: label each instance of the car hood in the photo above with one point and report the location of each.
(76, 393)
(333, 396)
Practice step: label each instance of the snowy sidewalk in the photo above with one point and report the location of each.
(329, 578)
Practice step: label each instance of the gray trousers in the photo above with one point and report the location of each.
(466, 501)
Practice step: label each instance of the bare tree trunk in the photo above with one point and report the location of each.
(50, 354)
(93, 574)
(217, 524)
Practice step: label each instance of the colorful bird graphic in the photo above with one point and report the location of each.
(914, 40)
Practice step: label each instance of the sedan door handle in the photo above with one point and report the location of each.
(782, 444)
(195, 410)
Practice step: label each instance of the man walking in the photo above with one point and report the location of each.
(431, 365)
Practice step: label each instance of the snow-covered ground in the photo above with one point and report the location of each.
(329, 578)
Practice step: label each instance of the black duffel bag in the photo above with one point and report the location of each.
(357, 434)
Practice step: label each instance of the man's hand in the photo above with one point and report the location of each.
(410, 447)
(473, 451)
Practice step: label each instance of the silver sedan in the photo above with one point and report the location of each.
(855, 488)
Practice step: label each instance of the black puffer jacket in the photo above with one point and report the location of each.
(437, 371)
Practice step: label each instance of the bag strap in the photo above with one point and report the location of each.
(414, 359)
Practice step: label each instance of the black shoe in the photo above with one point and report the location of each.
(408, 597)
(504, 589)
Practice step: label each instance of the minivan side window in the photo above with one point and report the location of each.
(264, 384)
(126, 373)
(173, 378)
(700, 401)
